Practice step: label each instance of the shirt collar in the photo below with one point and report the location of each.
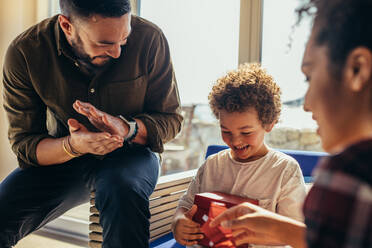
(57, 33)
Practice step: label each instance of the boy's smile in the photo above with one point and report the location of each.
(244, 134)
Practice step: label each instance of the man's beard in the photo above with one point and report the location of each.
(77, 48)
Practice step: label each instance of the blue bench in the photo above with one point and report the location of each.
(306, 159)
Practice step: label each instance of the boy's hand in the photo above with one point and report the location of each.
(186, 231)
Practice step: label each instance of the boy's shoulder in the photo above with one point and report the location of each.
(281, 159)
(221, 155)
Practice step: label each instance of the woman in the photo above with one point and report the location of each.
(338, 67)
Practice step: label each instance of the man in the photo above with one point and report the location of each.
(90, 96)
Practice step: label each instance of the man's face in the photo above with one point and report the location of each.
(97, 40)
(324, 95)
(244, 134)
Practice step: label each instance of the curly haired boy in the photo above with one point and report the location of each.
(247, 104)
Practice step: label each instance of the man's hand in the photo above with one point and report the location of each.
(187, 232)
(101, 120)
(84, 141)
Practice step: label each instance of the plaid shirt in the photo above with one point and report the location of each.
(338, 208)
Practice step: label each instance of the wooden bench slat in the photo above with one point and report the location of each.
(163, 208)
(160, 230)
(93, 210)
(174, 179)
(162, 215)
(95, 227)
(95, 244)
(94, 218)
(170, 190)
(95, 236)
(161, 222)
(169, 198)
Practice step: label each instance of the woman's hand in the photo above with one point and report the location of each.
(255, 225)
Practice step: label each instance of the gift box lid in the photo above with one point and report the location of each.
(203, 200)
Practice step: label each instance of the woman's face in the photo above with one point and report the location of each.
(326, 98)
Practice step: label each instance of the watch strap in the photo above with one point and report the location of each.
(133, 128)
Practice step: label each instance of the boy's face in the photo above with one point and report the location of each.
(244, 134)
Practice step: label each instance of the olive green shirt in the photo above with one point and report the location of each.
(42, 79)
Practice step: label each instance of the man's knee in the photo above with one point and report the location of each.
(117, 189)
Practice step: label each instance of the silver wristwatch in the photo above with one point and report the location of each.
(132, 128)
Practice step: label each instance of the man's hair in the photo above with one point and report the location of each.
(248, 87)
(87, 8)
(343, 25)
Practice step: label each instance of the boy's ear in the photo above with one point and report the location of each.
(269, 127)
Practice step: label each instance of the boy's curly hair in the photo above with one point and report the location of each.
(249, 86)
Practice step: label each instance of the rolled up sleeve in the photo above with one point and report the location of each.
(162, 118)
(25, 110)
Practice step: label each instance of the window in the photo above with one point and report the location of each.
(54, 7)
(282, 50)
(203, 37)
(204, 41)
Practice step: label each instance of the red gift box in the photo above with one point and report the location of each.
(211, 204)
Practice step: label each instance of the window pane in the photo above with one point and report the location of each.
(203, 36)
(296, 129)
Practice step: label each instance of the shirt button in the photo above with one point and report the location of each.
(92, 90)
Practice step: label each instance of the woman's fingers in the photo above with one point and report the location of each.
(232, 214)
(237, 232)
(238, 223)
(242, 238)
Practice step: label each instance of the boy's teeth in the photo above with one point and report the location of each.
(240, 147)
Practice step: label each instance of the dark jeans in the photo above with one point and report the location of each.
(123, 180)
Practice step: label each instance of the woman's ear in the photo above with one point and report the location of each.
(358, 69)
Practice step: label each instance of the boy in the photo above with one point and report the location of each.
(247, 104)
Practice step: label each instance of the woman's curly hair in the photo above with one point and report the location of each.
(249, 86)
